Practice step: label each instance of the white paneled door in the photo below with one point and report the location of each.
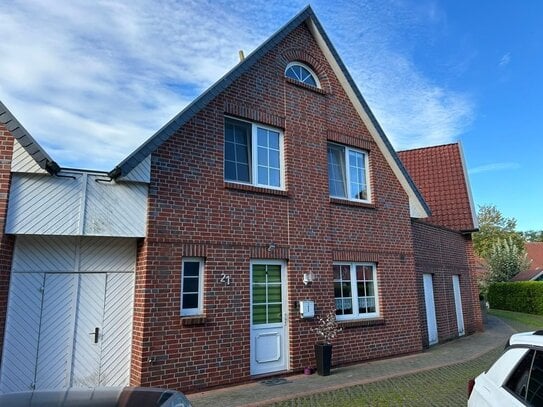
(430, 308)
(269, 336)
(68, 329)
(458, 305)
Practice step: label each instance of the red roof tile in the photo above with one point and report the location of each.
(535, 254)
(439, 175)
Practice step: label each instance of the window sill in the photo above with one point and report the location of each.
(355, 323)
(252, 188)
(193, 320)
(305, 86)
(347, 202)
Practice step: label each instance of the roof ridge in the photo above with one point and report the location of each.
(455, 143)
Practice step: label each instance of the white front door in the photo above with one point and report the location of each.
(269, 336)
(458, 305)
(430, 308)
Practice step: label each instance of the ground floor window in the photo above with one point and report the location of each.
(192, 287)
(355, 290)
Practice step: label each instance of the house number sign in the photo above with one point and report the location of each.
(225, 279)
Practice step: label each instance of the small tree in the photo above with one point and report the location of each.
(493, 228)
(504, 261)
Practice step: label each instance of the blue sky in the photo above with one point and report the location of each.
(92, 80)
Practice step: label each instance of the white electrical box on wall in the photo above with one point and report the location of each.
(307, 309)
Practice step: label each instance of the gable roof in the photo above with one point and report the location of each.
(418, 206)
(440, 173)
(24, 138)
(534, 252)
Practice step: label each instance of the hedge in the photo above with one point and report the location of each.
(520, 296)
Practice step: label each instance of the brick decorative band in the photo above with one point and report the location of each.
(252, 113)
(353, 255)
(359, 141)
(267, 252)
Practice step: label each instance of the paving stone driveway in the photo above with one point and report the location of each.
(437, 376)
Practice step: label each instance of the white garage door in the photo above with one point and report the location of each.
(69, 317)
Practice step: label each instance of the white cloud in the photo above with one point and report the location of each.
(494, 167)
(505, 60)
(413, 110)
(92, 80)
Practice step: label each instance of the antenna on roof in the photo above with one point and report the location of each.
(241, 55)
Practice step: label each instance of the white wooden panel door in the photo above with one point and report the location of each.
(56, 331)
(88, 330)
(458, 305)
(430, 308)
(18, 368)
(269, 336)
(117, 330)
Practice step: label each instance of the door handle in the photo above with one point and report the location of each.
(96, 334)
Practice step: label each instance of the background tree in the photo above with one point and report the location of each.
(493, 228)
(504, 261)
(533, 235)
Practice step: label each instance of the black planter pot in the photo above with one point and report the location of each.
(323, 356)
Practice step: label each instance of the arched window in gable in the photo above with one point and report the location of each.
(302, 73)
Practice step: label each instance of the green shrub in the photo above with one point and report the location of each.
(520, 296)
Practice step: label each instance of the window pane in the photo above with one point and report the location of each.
(274, 159)
(273, 138)
(262, 175)
(243, 173)
(357, 170)
(337, 290)
(337, 272)
(262, 137)
(275, 313)
(259, 294)
(346, 273)
(259, 314)
(535, 387)
(369, 289)
(346, 289)
(262, 156)
(242, 155)
(275, 178)
(190, 285)
(336, 171)
(274, 274)
(191, 268)
(259, 273)
(190, 301)
(274, 293)
(518, 381)
(368, 273)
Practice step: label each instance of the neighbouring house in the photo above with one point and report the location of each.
(534, 254)
(184, 266)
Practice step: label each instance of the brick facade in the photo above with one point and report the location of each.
(190, 204)
(6, 242)
(443, 253)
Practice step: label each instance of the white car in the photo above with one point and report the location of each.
(515, 379)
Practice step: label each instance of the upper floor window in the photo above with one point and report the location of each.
(348, 173)
(302, 73)
(253, 154)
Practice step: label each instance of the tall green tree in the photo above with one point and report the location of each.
(493, 228)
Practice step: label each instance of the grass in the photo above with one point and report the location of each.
(519, 321)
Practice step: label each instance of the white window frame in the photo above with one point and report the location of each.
(354, 292)
(200, 309)
(311, 71)
(366, 155)
(253, 159)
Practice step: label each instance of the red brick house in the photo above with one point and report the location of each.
(275, 186)
(534, 254)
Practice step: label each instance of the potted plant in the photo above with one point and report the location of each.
(327, 329)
